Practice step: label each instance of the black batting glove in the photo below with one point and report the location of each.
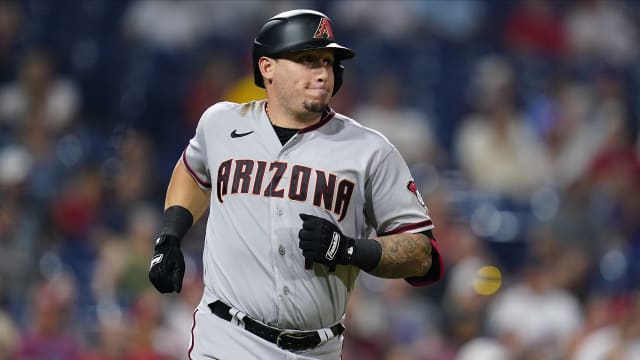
(322, 241)
(167, 265)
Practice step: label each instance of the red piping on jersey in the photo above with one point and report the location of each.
(193, 338)
(325, 119)
(408, 227)
(193, 173)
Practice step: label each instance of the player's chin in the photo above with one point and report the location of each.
(316, 106)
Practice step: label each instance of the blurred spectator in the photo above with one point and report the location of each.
(533, 317)
(50, 333)
(43, 170)
(111, 257)
(365, 323)
(615, 173)
(39, 90)
(463, 305)
(174, 335)
(128, 178)
(601, 30)
(145, 320)
(620, 339)
(208, 86)
(167, 24)
(174, 25)
(408, 129)
(614, 177)
(483, 349)
(572, 256)
(15, 165)
(535, 28)
(119, 278)
(136, 167)
(385, 318)
(564, 118)
(9, 335)
(244, 16)
(456, 20)
(111, 343)
(77, 209)
(496, 149)
(11, 19)
(410, 320)
(599, 311)
(20, 227)
(467, 255)
(17, 247)
(133, 280)
(360, 17)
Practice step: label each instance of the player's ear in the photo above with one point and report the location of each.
(267, 67)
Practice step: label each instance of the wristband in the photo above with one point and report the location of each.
(367, 254)
(176, 221)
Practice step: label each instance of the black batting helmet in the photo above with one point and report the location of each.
(298, 30)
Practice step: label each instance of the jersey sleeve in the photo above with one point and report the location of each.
(394, 205)
(194, 157)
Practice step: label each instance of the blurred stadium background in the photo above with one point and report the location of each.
(518, 118)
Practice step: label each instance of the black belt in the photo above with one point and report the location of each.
(292, 340)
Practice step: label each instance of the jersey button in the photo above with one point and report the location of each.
(287, 155)
(280, 212)
(285, 290)
(281, 250)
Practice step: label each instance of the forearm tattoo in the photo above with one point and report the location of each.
(404, 255)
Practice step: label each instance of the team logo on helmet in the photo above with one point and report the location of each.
(414, 189)
(324, 30)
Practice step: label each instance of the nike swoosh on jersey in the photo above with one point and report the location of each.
(236, 134)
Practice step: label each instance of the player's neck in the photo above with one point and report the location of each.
(281, 117)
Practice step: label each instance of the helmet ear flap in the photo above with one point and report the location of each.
(338, 71)
(257, 75)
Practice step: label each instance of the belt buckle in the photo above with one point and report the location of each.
(286, 338)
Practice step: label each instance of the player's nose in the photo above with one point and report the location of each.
(322, 79)
(322, 73)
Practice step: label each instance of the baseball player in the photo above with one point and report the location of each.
(294, 191)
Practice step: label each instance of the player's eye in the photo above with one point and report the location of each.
(307, 60)
(312, 61)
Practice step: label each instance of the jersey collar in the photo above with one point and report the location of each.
(326, 116)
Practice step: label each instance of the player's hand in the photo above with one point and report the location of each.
(167, 265)
(321, 241)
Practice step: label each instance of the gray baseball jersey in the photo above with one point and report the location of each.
(336, 169)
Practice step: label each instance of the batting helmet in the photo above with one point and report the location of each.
(298, 30)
